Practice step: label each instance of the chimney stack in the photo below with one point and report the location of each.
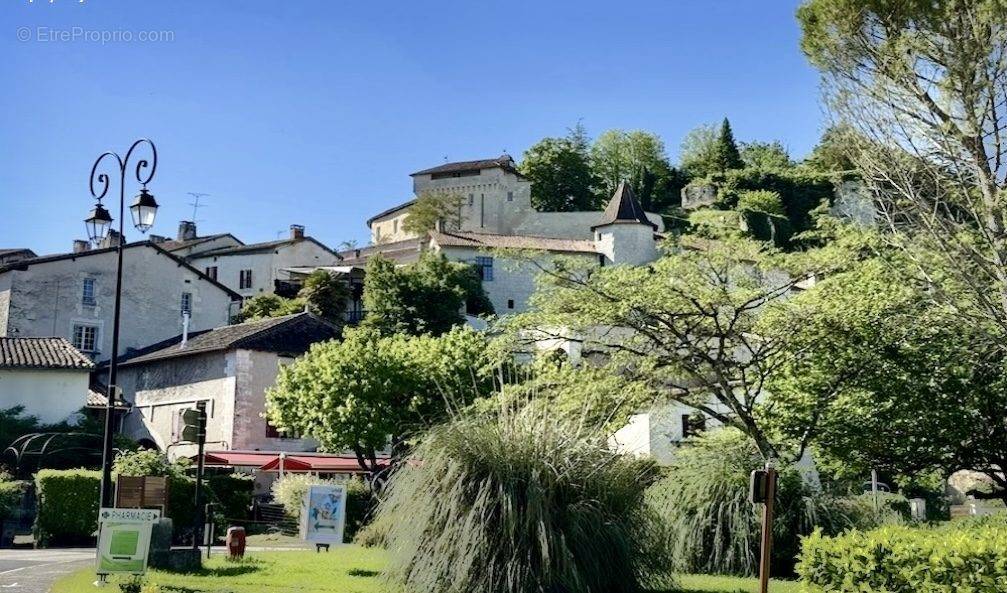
(81, 245)
(297, 231)
(158, 238)
(186, 230)
(112, 239)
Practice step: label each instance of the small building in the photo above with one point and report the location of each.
(230, 369)
(258, 268)
(47, 376)
(12, 255)
(72, 295)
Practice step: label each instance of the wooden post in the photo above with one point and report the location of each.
(767, 529)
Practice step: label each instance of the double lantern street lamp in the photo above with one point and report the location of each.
(99, 225)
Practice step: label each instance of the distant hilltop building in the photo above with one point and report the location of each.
(496, 213)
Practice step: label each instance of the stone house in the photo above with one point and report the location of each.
(228, 367)
(48, 376)
(72, 296)
(256, 268)
(12, 255)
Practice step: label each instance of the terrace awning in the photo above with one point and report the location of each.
(239, 458)
(335, 464)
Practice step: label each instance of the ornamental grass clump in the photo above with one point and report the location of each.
(520, 502)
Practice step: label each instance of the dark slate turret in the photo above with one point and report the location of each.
(624, 208)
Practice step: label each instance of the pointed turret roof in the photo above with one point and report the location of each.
(624, 208)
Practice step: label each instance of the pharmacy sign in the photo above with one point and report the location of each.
(124, 540)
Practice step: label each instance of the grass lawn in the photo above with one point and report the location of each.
(348, 569)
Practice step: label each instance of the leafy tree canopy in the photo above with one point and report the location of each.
(638, 158)
(325, 295)
(560, 170)
(366, 389)
(432, 207)
(428, 296)
(765, 155)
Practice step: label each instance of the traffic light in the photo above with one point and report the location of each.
(191, 425)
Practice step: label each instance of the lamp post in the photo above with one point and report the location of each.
(98, 224)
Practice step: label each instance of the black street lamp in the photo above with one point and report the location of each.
(98, 224)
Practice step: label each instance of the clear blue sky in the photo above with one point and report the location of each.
(315, 112)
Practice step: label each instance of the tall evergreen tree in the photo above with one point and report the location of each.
(728, 155)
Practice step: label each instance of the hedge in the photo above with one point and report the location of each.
(11, 494)
(960, 558)
(67, 506)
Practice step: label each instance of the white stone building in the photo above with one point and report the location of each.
(230, 369)
(253, 269)
(73, 295)
(48, 376)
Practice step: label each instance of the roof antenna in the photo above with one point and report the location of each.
(195, 203)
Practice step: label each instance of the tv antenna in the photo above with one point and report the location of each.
(196, 196)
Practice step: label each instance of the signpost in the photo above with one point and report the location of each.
(124, 540)
(762, 490)
(323, 514)
(194, 431)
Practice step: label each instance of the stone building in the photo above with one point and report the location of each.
(230, 369)
(72, 296)
(47, 376)
(253, 269)
(12, 255)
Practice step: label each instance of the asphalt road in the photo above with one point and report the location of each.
(33, 571)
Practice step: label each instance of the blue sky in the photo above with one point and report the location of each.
(315, 112)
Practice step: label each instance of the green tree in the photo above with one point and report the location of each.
(369, 390)
(432, 207)
(561, 174)
(325, 295)
(270, 305)
(431, 295)
(765, 201)
(698, 153)
(833, 152)
(728, 155)
(765, 155)
(638, 158)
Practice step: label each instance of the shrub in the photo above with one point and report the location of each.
(761, 200)
(290, 489)
(10, 498)
(900, 559)
(148, 462)
(517, 502)
(67, 506)
(709, 524)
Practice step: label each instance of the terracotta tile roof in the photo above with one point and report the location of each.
(483, 240)
(624, 208)
(290, 333)
(174, 245)
(504, 162)
(257, 248)
(42, 353)
(407, 249)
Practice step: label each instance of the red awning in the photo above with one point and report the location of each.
(239, 458)
(318, 463)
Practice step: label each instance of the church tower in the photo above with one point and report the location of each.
(625, 235)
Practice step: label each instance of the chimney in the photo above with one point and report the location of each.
(112, 239)
(297, 231)
(81, 245)
(158, 238)
(186, 230)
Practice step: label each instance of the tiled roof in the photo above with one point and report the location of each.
(290, 333)
(256, 248)
(504, 162)
(391, 210)
(624, 208)
(41, 353)
(482, 240)
(407, 249)
(174, 245)
(10, 251)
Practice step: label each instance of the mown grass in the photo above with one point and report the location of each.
(347, 569)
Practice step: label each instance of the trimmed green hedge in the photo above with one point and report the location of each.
(67, 506)
(11, 494)
(959, 558)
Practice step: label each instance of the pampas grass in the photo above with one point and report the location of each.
(521, 502)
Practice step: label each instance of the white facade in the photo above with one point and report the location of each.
(51, 395)
(73, 297)
(251, 270)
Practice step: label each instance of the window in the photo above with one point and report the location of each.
(693, 424)
(244, 279)
(485, 265)
(211, 271)
(510, 303)
(510, 196)
(87, 294)
(85, 338)
(186, 303)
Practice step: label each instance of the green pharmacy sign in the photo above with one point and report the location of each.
(124, 540)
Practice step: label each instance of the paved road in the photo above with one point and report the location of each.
(33, 571)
